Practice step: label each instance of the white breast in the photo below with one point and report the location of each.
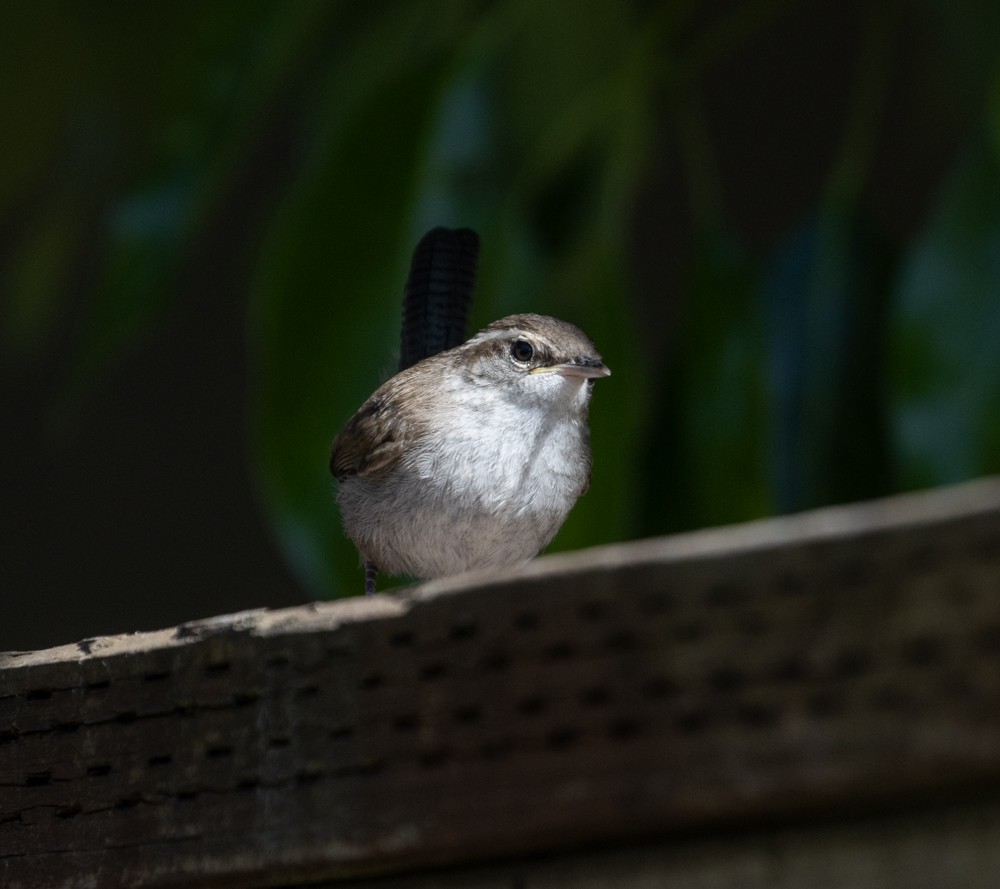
(489, 487)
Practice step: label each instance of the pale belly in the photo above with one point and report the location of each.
(439, 513)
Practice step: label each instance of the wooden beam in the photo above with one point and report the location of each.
(844, 660)
(940, 847)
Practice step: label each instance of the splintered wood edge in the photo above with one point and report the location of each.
(831, 523)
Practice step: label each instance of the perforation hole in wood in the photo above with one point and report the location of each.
(496, 748)
(621, 640)
(688, 632)
(692, 722)
(433, 671)
(851, 574)
(922, 652)
(434, 758)
(757, 715)
(790, 585)
(402, 639)
(657, 602)
(852, 662)
(372, 680)
(891, 699)
(526, 620)
(960, 595)
(595, 696)
(496, 662)
(406, 722)
(824, 704)
(533, 705)
(725, 595)
(726, 680)
(985, 547)
(560, 651)
(562, 737)
(658, 688)
(463, 631)
(624, 728)
(790, 671)
(752, 624)
(989, 639)
(593, 610)
(467, 714)
(340, 651)
(924, 558)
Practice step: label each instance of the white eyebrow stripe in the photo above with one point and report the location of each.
(487, 335)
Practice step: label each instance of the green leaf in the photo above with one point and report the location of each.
(945, 371)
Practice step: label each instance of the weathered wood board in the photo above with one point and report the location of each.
(841, 661)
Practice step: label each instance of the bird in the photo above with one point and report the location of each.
(472, 457)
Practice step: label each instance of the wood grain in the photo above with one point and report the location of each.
(841, 661)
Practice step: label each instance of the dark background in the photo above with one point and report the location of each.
(779, 221)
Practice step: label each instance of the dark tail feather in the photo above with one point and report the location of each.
(438, 295)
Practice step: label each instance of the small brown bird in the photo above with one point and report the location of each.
(473, 457)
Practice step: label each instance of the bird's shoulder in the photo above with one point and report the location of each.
(376, 438)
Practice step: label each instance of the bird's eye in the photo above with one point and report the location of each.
(521, 350)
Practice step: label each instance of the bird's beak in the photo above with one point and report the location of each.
(587, 369)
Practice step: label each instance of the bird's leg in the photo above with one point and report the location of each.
(371, 572)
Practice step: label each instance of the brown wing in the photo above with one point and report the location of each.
(370, 442)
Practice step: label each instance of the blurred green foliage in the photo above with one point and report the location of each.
(824, 351)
